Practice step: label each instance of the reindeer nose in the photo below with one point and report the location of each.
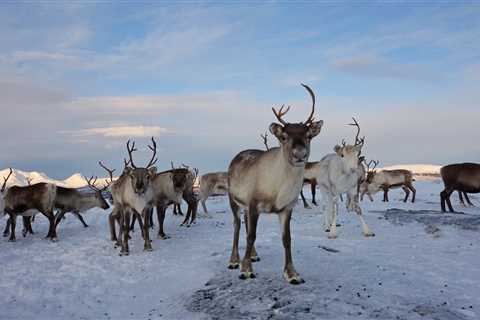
(300, 153)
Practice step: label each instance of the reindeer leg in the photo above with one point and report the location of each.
(468, 199)
(254, 256)
(235, 257)
(289, 272)
(460, 198)
(58, 217)
(25, 230)
(314, 190)
(365, 229)
(449, 204)
(150, 215)
(146, 230)
(246, 270)
(125, 230)
(29, 226)
(407, 193)
(79, 216)
(111, 222)
(305, 204)
(204, 205)
(132, 225)
(179, 209)
(13, 222)
(161, 218)
(6, 231)
(414, 192)
(192, 206)
(333, 223)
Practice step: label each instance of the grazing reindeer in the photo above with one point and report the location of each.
(132, 193)
(386, 180)
(339, 173)
(212, 183)
(17, 200)
(463, 177)
(270, 181)
(74, 201)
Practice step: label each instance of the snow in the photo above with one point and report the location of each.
(420, 265)
(20, 178)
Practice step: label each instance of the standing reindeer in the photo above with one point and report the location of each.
(270, 181)
(386, 180)
(463, 177)
(23, 201)
(75, 201)
(132, 193)
(212, 183)
(338, 174)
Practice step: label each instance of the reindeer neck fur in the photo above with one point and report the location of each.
(277, 183)
(163, 188)
(129, 198)
(336, 175)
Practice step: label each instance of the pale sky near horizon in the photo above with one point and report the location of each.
(79, 79)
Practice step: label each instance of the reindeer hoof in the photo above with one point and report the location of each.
(255, 259)
(123, 253)
(247, 275)
(54, 239)
(163, 236)
(233, 265)
(294, 279)
(85, 226)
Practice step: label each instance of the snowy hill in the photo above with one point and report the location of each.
(21, 178)
(420, 171)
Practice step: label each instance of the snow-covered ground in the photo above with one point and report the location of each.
(420, 265)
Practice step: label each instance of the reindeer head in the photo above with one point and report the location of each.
(295, 138)
(371, 170)
(141, 177)
(100, 200)
(350, 154)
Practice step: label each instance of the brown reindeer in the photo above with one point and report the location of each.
(386, 180)
(270, 181)
(463, 177)
(132, 194)
(21, 201)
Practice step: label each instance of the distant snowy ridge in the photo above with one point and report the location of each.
(21, 178)
(418, 170)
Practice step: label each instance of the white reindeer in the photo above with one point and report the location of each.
(339, 173)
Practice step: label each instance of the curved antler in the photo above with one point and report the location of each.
(4, 186)
(152, 147)
(90, 184)
(310, 118)
(357, 140)
(130, 150)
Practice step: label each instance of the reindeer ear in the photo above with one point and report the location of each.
(337, 149)
(152, 170)
(127, 170)
(314, 129)
(277, 130)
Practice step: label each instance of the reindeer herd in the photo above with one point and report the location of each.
(257, 181)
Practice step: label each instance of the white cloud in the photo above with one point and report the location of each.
(123, 131)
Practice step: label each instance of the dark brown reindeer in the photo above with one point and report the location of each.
(132, 194)
(270, 181)
(462, 177)
(24, 200)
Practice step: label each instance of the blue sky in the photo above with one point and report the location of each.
(78, 79)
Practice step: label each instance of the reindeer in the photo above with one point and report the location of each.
(18, 200)
(270, 181)
(338, 174)
(386, 180)
(463, 177)
(190, 197)
(74, 201)
(132, 193)
(212, 183)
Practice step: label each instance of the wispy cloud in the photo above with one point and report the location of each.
(123, 131)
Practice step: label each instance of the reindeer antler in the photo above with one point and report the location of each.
(265, 140)
(310, 118)
(152, 147)
(279, 114)
(6, 179)
(375, 164)
(357, 140)
(130, 150)
(90, 184)
(110, 173)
